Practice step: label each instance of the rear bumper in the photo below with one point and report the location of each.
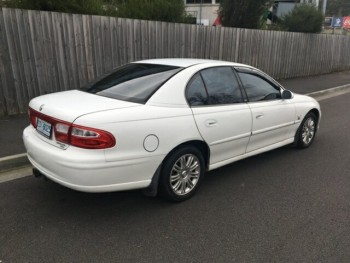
(86, 170)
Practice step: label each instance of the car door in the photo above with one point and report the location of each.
(223, 118)
(272, 116)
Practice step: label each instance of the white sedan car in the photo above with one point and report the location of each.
(160, 124)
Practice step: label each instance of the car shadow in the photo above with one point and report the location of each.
(52, 200)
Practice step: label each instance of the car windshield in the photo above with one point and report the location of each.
(132, 82)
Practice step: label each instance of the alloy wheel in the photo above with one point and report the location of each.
(184, 174)
(308, 131)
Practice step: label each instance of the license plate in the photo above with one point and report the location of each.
(44, 127)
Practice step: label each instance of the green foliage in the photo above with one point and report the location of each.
(244, 14)
(160, 10)
(93, 7)
(338, 7)
(303, 18)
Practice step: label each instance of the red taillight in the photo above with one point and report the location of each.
(62, 132)
(90, 138)
(79, 136)
(32, 117)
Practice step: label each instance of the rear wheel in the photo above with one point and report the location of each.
(182, 173)
(307, 131)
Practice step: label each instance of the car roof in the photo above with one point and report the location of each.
(186, 62)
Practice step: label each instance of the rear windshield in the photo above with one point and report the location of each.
(132, 82)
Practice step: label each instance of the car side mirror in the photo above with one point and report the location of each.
(287, 95)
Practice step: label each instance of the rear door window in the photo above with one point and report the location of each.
(196, 92)
(221, 85)
(213, 86)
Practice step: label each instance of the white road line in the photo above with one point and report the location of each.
(15, 174)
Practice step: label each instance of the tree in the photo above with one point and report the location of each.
(160, 10)
(244, 14)
(303, 18)
(338, 7)
(92, 7)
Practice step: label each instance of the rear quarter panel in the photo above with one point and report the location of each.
(130, 127)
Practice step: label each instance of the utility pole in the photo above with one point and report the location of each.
(324, 7)
(200, 12)
(317, 3)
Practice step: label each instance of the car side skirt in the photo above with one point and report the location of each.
(249, 154)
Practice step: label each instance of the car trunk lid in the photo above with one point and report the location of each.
(65, 107)
(69, 105)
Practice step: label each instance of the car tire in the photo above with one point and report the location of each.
(307, 131)
(181, 174)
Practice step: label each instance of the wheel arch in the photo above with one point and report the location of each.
(202, 146)
(317, 114)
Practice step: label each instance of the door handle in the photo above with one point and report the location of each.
(211, 123)
(260, 116)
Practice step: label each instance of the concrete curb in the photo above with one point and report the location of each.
(20, 160)
(326, 92)
(14, 161)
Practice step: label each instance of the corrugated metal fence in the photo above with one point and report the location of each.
(43, 52)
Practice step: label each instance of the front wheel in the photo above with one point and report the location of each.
(182, 172)
(307, 131)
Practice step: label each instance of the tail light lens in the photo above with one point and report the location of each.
(32, 117)
(79, 136)
(62, 132)
(90, 138)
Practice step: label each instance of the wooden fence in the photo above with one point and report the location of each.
(43, 52)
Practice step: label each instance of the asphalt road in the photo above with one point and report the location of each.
(287, 205)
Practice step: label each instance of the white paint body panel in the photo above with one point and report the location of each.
(226, 129)
(232, 132)
(68, 105)
(87, 170)
(272, 121)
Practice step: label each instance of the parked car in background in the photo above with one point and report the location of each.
(160, 124)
